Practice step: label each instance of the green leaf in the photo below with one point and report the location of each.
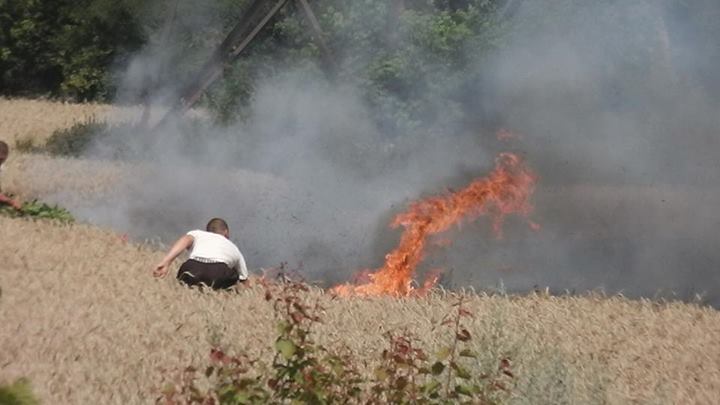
(19, 393)
(298, 377)
(283, 327)
(461, 371)
(444, 353)
(432, 386)
(468, 353)
(437, 368)
(286, 348)
(464, 390)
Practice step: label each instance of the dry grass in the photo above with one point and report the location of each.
(81, 316)
(35, 120)
(83, 319)
(33, 176)
(24, 119)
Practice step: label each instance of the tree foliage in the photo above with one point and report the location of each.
(405, 57)
(416, 62)
(70, 49)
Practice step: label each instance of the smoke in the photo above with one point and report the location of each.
(307, 180)
(613, 103)
(618, 116)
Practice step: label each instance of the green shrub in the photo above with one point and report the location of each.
(303, 371)
(25, 145)
(17, 393)
(75, 140)
(39, 210)
(408, 375)
(65, 48)
(117, 141)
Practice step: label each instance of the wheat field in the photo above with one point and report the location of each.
(82, 318)
(28, 119)
(36, 119)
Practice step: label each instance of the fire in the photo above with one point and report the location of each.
(506, 190)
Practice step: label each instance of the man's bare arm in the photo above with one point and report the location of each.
(9, 201)
(242, 270)
(185, 242)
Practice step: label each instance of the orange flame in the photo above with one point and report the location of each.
(506, 190)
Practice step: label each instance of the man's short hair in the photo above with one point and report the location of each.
(217, 225)
(4, 148)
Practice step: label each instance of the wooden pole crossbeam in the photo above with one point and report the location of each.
(325, 54)
(228, 52)
(255, 19)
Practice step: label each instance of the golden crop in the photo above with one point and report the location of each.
(35, 120)
(83, 319)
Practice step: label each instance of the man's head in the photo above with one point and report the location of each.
(4, 151)
(219, 226)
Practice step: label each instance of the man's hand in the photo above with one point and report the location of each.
(161, 270)
(16, 204)
(10, 201)
(181, 244)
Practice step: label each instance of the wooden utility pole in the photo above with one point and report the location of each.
(255, 19)
(325, 54)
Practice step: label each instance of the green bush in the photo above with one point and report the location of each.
(303, 371)
(115, 141)
(26, 145)
(38, 210)
(66, 48)
(75, 140)
(17, 393)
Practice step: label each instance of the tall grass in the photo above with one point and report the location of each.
(17, 393)
(83, 319)
(25, 120)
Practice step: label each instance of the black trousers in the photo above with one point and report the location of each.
(215, 275)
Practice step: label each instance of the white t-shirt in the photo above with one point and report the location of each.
(215, 248)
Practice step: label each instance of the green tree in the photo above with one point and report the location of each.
(65, 48)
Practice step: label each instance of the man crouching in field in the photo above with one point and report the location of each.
(4, 152)
(214, 260)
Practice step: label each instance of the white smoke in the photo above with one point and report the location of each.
(613, 108)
